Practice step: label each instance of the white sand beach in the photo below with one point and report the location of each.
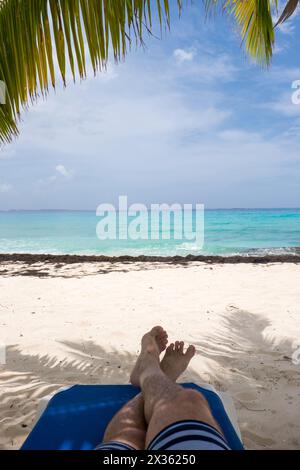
(82, 323)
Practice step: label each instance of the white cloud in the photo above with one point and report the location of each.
(286, 28)
(108, 74)
(278, 49)
(238, 135)
(5, 188)
(184, 55)
(207, 68)
(90, 124)
(280, 75)
(62, 174)
(284, 105)
(62, 170)
(7, 151)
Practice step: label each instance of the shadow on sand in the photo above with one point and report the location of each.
(242, 359)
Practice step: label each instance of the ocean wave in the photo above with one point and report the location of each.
(295, 250)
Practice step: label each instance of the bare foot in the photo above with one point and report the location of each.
(153, 343)
(175, 361)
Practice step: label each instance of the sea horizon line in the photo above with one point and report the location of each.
(206, 209)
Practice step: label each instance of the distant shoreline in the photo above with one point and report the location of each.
(208, 259)
(7, 211)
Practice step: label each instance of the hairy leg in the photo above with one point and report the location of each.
(165, 401)
(128, 426)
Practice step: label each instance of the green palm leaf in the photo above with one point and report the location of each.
(34, 32)
(254, 20)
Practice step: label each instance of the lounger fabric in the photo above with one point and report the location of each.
(76, 418)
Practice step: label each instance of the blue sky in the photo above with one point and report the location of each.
(187, 119)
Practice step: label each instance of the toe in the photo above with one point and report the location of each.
(162, 343)
(181, 345)
(170, 348)
(160, 336)
(190, 352)
(157, 331)
(164, 335)
(176, 345)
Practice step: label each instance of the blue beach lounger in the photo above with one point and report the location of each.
(76, 418)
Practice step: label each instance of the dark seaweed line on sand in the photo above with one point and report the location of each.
(72, 259)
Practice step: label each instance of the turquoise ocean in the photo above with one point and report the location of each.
(227, 232)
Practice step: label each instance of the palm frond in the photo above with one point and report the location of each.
(254, 20)
(288, 11)
(34, 32)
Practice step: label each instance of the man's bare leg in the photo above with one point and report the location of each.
(128, 426)
(165, 401)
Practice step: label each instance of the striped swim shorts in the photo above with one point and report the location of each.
(183, 435)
